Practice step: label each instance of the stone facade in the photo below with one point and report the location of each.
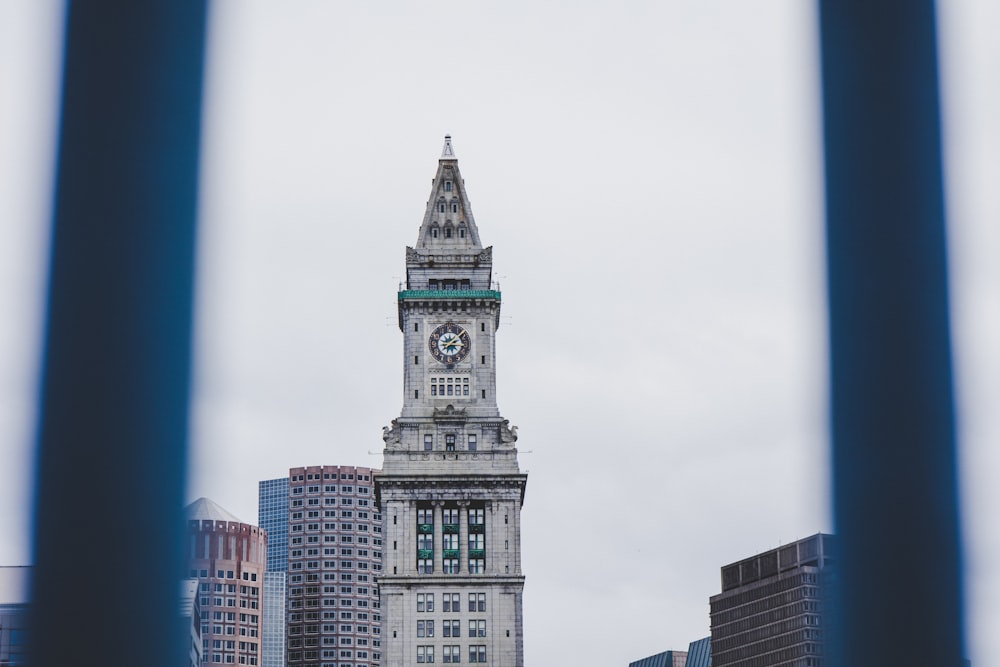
(450, 490)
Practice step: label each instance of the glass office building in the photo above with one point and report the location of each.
(272, 514)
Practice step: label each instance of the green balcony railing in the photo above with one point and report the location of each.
(449, 294)
(425, 554)
(477, 528)
(450, 553)
(425, 527)
(477, 553)
(451, 528)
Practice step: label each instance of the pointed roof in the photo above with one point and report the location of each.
(448, 222)
(203, 508)
(448, 151)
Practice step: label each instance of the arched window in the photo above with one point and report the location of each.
(447, 232)
(454, 206)
(434, 232)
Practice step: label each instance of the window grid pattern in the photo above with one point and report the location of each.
(334, 558)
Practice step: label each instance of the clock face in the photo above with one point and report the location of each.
(449, 343)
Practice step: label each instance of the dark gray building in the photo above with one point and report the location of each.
(771, 612)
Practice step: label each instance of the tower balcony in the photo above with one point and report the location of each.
(448, 294)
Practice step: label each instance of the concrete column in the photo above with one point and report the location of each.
(463, 536)
(493, 532)
(438, 539)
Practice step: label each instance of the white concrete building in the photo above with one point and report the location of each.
(450, 489)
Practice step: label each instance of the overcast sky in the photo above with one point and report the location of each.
(649, 174)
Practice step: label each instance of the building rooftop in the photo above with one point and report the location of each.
(813, 551)
(700, 653)
(203, 508)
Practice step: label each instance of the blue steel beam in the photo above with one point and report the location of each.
(894, 461)
(112, 433)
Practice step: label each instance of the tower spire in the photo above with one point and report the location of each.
(448, 223)
(448, 151)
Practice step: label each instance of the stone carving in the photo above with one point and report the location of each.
(486, 255)
(450, 413)
(390, 436)
(508, 434)
(412, 255)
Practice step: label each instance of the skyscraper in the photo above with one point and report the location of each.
(272, 516)
(450, 489)
(324, 581)
(772, 611)
(227, 557)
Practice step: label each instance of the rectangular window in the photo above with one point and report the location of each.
(477, 628)
(472, 442)
(477, 601)
(449, 386)
(428, 443)
(449, 442)
(452, 628)
(477, 654)
(449, 566)
(452, 654)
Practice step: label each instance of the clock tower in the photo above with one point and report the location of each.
(450, 490)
